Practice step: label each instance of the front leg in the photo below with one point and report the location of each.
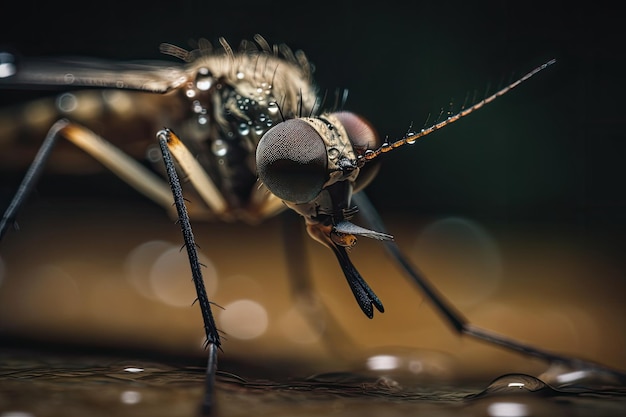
(166, 138)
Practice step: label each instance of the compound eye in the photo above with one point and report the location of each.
(361, 133)
(291, 161)
(363, 137)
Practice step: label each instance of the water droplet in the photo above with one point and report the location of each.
(333, 153)
(272, 107)
(516, 384)
(240, 75)
(259, 130)
(408, 366)
(204, 81)
(203, 120)
(190, 93)
(219, 148)
(559, 375)
(244, 129)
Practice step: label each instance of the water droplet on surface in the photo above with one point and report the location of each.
(408, 366)
(562, 376)
(272, 107)
(516, 384)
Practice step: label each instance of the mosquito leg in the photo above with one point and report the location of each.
(201, 181)
(127, 168)
(31, 177)
(212, 335)
(312, 307)
(454, 318)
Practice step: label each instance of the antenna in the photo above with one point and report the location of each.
(410, 138)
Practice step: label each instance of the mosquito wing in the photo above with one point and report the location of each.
(63, 73)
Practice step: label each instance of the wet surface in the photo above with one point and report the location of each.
(43, 384)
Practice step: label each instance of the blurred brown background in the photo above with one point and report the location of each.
(516, 213)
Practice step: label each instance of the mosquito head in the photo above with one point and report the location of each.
(298, 158)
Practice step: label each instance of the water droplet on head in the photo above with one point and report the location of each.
(244, 129)
(272, 107)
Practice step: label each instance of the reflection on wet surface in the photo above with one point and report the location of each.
(41, 385)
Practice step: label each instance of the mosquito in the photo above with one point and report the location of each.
(246, 129)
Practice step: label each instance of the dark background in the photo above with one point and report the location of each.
(551, 150)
